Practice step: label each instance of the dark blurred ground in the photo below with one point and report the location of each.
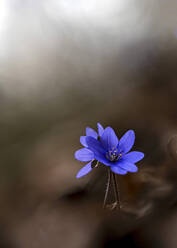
(65, 65)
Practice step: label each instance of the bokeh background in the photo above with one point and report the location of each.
(65, 65)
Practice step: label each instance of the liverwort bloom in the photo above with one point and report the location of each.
(114, 153)
(92, 133)
(108, 150)
(85, 154)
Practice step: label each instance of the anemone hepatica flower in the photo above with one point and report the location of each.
(114, 153)
(92, 133)
(108, 150)
(85, 154)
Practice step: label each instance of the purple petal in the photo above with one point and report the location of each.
(83, 141)
(94, 145)
(133, 157)
(127, 166)
(127, 141)
(99, 152)
(91, 132)
(118, 170)
(100, 129)
(85, 170)
(84, 154)
(102, 159)
(109, 139)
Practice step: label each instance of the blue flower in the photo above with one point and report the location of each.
(85, 154)
(114, 153)
(108, 150)
(90, 132)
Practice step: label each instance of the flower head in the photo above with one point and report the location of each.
(85, 154)
(111, 152)
(92, 133)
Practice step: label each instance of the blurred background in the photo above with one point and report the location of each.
(65, 65)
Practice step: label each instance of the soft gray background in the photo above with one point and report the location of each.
(65, 65)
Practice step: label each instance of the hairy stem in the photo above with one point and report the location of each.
(107, 188)
(116, 189)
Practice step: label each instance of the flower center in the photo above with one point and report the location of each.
(113, 155)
